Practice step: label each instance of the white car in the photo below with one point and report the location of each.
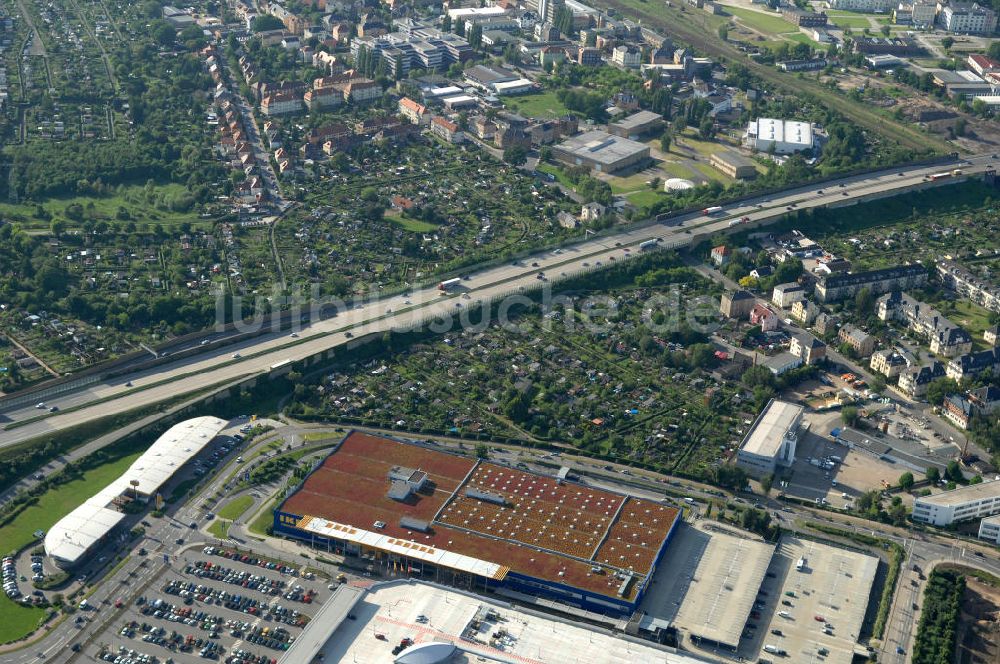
(236, 356)
(40, 405)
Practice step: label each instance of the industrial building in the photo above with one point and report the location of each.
(409, 509)
(772, 439)
(779, 136)
(733, 165)
(76, 535)
(637, 125)
(601, 152)
(449, 625)
(971, 502)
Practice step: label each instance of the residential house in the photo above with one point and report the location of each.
(626, 56)
(281, 103)
(888, 362)
(973, 364)
(362, 91)
(826, 323)
(786, 294)
(964, 282)
(446, 130)
(944, 337)
(721, 254)
(592, 211)
(761, 315)
(991, 335)
(835, 287)
(736, 304)
(807, 348)
(860, 341)
(413, 111)
(960, 409)
(804, 311)
(323, 98)
(913, 381)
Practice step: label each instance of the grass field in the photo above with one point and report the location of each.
(220, 528)
(541, 105)
(234, 509)
(132, 199)
(848, 20)
(412, 225)
(972, 317)
(16, 620)
(58, 502)
(769, 23)
(644, 197)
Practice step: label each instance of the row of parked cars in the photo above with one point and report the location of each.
(204, 569)
(10, 578)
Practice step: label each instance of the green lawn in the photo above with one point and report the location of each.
(644, 197)
(234, 509)
(801, 39)
(541, 105)
(17, 620)
(131, 198)
(220, 528)
(412, 225)
(969, 315)
(847, 20)
(58, 502)
(770, 23)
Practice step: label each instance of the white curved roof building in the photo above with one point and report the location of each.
(73, 536)
(427, 653)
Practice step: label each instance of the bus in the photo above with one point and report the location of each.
(448, 284)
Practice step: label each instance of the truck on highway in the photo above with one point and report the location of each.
(944, 175)
(648, 244)
(714, 209)
(737, 222)
(449, 284)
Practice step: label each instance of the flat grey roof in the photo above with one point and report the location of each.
(835, 584)
(707, 583)
(637, 120)
(602, 147)
(764, 438)
(733, 159)
(326, 621)
(963, 495)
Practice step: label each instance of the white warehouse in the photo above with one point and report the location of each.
(75, 535)
(971, 502)
(772, 439)
(783, 136)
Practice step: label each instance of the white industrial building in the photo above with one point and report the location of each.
(772, 439)
(783, 136)
(77, 533)
(971, 502)
(989, 529)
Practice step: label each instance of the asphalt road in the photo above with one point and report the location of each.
(403, 311)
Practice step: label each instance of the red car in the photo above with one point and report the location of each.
(118, 603)
(819, 618)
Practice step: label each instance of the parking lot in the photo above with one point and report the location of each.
(212, 604)
(816, 608)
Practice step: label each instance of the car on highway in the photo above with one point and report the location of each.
(236, 356)
(53, 409)
(40, 405)
(294, 335)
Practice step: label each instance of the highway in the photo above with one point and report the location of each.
(257, 356)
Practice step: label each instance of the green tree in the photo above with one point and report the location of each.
(933, 475)
(475, 37)
(864, 302)
(515, 155)
(665, 140)
(482, 451)
(947, 43)
(954, 472)
(766, 483)
(265, 22)
(906, 481)
(724, 32)
(730, 477)
(849, 415)
(939, 388)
